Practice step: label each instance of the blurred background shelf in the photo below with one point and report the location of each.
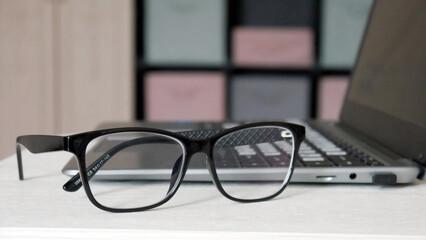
(277, 56)
(66, 66)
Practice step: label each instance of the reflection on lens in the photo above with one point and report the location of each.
(135, 153)
(254, 163)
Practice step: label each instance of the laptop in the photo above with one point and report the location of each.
(380, 137)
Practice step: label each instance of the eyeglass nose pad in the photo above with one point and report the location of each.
(175, 173)
(210, 170)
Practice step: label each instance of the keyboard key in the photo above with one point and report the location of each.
(267, 149)
(251, 161)
(341, 153)
(253, 164)
(309, 155)
(319, 164)
(224, 158)
(346, 161)
(284, 146)
(275, 161)
(312, 159)
(227, 165)
(307, 151)
(245, 150)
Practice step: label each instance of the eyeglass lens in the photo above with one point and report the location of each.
(138, 152)
(263, 160)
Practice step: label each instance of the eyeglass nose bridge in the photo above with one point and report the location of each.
(204, 148)
(207, 160)
(199, 146)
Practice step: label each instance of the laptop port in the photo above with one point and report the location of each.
(326, 178)
(352, 176)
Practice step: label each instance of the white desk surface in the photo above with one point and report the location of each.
(38, 208)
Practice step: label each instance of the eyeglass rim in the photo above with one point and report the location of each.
(285, 182)
(78, 143)
(168, 196)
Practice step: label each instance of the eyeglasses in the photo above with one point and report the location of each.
(263, 151)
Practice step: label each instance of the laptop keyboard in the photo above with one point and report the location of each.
(320, 151)
(316, 151)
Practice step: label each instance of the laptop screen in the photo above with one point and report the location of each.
(387, 97)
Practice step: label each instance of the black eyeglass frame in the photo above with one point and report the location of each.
(77, 145)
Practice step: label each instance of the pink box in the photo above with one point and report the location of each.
(272, 47)
(331, 94)
(171, 96)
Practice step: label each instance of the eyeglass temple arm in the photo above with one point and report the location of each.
(38, 144)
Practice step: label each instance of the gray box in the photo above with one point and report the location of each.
(265, 97)
(185, 32)
(342, 28)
